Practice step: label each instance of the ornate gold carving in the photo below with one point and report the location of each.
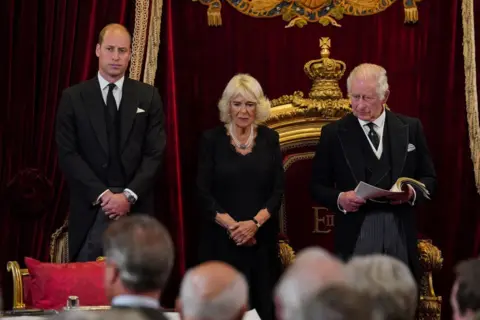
(153, 43)
(286, 253)
(138, 39)
(59, 244)
(17, 273)
(299, 119)
(301, 12)
(471, 96)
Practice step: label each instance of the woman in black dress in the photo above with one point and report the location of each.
(241, 183)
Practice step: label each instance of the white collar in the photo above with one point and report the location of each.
(130, 300)
(104, 83)
(379, 122)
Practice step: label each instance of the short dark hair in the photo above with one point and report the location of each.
(142, 250)
(468, 284)
(338, 302)
(101, 35)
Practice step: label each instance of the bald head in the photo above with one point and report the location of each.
(113, 28)
(314, 268)
(213, 290)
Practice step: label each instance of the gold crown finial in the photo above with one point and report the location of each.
(325, 73)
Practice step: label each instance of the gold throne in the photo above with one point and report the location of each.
(299, 121)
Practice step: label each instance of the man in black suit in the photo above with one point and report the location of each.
(376, 146)
(110, 137)
(139, 257)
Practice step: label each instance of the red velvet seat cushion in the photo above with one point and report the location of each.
(27, 291)
(53, 283)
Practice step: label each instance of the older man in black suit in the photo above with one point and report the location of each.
(376, 146)
(110, 138)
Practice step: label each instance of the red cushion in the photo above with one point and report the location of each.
(53, 283)
(27, 291)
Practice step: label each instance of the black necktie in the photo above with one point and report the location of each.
(373, 135)
(111, 103)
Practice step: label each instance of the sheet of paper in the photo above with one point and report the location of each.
(367, 191)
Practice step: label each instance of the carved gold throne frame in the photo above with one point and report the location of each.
(299, 121)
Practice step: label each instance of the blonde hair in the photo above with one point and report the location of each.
(248, 87)
(370, 71)
(387, 281)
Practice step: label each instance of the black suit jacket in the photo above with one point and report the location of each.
(339, 165)
(83, 148)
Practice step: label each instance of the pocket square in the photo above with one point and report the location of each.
(140, 110)
(410, 147)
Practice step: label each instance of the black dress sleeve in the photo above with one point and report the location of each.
(207, 202)
(273, 203)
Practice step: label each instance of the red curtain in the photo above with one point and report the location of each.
(47, 46)
(425, 68)
(50, 46)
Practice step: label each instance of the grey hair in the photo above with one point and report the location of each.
(226, 305)
(305, 277)
(388, 281)
(142, 250)
(338, 302)
(247, 86)
(370, 71)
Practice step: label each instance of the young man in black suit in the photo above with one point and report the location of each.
(376, 146)
(110, 137)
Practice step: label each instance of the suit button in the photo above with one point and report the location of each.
(104, 166)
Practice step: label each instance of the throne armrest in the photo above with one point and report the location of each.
(17, 275)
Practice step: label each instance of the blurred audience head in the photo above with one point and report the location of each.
(388, 282)
(465, 295)
(243, 101)
(313, 269)
(337, 302)
(213, 290)
(112, 314)
(139, 256)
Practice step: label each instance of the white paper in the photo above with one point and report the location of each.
(367, 191)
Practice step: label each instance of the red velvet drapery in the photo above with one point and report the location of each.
(49, 45)
(425, 68)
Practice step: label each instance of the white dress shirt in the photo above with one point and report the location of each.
(135, 301)
(379, 125)
(117, 94)
(117, 91)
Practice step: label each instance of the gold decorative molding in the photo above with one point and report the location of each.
(298, 119)
(153, 43)
(301, 12)
(471, 98)
(17, 274)
(138, 39)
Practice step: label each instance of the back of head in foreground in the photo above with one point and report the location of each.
(313, 269)
(213, 291)
(337, 302)
(139, 256)
(389, 283)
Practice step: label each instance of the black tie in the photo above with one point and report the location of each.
(111, 103)
(373, 135)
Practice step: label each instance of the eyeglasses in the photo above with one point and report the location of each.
(358, 97)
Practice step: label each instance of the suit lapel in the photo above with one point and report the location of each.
(398, 134)
(128, 111)
(350, 134)
(96, 111)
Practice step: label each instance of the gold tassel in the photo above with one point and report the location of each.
(214, 17)
(411, 15)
